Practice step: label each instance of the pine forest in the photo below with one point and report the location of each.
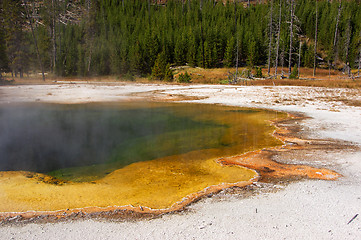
(148, 38)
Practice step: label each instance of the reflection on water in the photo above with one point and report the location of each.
(84, 142)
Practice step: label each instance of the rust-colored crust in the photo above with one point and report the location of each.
(260, 161)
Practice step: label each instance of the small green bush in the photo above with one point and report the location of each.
(294, 73)
(184, 78)
(258, 72)
(128, 77)
(168, 74)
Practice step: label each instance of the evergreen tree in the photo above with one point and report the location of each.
(200, 60)
(207, 55)
(294, 73)
(192, 52)
(252, 58)
(136, 59)
(229, 55)
(168, 74)
(159, 70)
(180, 51)
(184, 78)
(151, 50)
(308, 55)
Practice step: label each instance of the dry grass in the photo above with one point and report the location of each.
(333, 83)
(323, 78)
(201, 75)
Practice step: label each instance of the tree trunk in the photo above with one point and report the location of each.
(270, 39)
(34, 39)
(315, 49)
(235, 17)
(202, 38)
(235, 34)
(278, 37)
(291, 39)
(336, 32)
(236, 74)
(90, 36)
(54, 33)
(347, 46)
(149, 10)
(282, 61)
(299, 59)
(359, 63)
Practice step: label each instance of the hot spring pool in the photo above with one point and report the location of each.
(139, 153)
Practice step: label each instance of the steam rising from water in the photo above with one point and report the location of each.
(47, 137)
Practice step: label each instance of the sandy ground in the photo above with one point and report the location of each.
(307, 209)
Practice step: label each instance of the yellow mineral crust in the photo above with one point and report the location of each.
(155, 184)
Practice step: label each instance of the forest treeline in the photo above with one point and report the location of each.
(140, 37)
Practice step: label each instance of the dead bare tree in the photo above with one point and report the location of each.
(235, 77)
(30, 20)
(291, 37)
(278, 37)
(235, 33)
(336, 32)
(53, 31)
(237, 57)
(90, 34)
(282, 60)
(299, 59)
(270, 39)
(359, 62)
(359, 58)
(149, 10)
(347, 47)
(315, 49)
(202, 37)
(235, 16)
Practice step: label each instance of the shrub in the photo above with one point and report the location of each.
(294, 73)
(184, 78)
(128, 77)
(258, 72)
(168, 74)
